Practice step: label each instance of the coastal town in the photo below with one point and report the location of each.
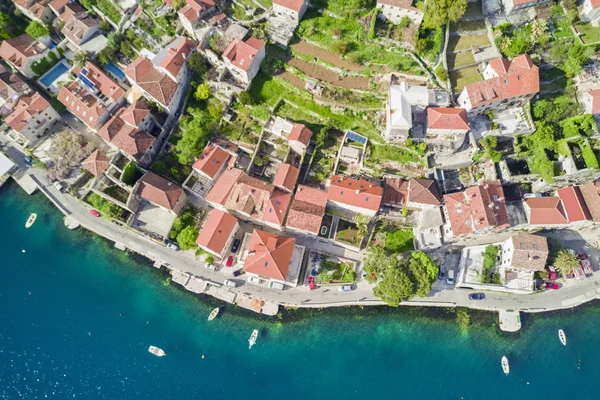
(319, 153)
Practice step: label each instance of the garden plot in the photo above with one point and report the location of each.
(466, 42)
(326, 75)
(462, 77)
(310, 50)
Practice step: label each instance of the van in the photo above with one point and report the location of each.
(230, 283)
(450, 279)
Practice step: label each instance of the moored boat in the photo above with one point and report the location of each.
(30, 220)
(562, 337)
(213, 314)
(505, 366)
(253, 338)
(157, 351)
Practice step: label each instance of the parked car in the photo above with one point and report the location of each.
(236, 246)
(477, 296)
(442, 273)
(276, 285)
(551, 273)
(94, 213)
(229, 262)
(28, 160)
(237, 272)
(60, 186)
(345, 288)
(254, 279)
(230, 283)
(172, 246)
(450, 279)
(311, 283)
(552, 285)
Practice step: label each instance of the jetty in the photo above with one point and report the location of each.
(510, 320)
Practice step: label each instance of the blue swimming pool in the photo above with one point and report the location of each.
(113, 69)
(52, 75)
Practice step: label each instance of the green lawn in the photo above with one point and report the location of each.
(393, 153)
(459, 59)
(467, 26)
(589, 34)
(400, 240)
(459, 79)
(465, 42)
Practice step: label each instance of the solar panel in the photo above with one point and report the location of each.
(356, 137)
(84, 71)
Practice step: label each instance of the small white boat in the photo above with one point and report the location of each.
(505, 366)
(30, 220)
(562, 337)
(157, 351)
(213, 314)
(253, 337)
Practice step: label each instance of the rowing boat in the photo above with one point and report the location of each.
(30, 220)
(562, 337)
(213, 314)
(505, 366)
(253, 338)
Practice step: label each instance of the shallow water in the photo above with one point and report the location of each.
(62, 336)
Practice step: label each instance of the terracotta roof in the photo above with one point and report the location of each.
(595, 3)
(476, 208)
(101, 81)
(222, 187)
(70, 10)
(77, 27)
(574, 204)
(405, 4)
(80, 102)
(158, 190)
(277, 207)
(158, 84)
(447, 118)
(307, 209)
(135, 113)
(423, 191)
(241, 54)
(176, 56)
(595, 95)
(96, 163)
(529, 252)
(26, 109)
(216, 231)
(286, 176)
(125, 136)
(58, 5)
(11, 88)
(295, 5)
(355, 192)
(211, 160)
(37, 9)
(519, 77)
(194, 8)
(250, 196)
(546, 210)
(301, 134)
(396, 192)
(591, 195)
(18, 49)
(269, 255)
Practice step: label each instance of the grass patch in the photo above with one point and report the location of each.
(588, 33)
(459, 59)
(459, 79)
(457, 43)
(333, 272)
(171, 168)
(468, 26)
(393, 153)
(347, 232)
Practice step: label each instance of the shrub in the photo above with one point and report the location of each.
(129, 173)
(404, 22)
(36, 30)
(246, 98)
(209, 259)
(373, 23)
(441, 72)
(589, 156)
(340, 47)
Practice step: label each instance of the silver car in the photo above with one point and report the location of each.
(345, 288)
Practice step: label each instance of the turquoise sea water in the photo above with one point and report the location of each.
(62, 336)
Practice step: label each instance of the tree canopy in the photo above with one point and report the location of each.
(440, 12)
(566, 262)
(202, 92)
(37, 30)
(187, 237)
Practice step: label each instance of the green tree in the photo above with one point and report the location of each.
(105, 207)
(565, 262)
(440, 12)
(197, 65)
(375, 263)
(394, 286)
(129, 171)
(246, 98)
(81, 58)
(37, 30)
(187, 238)
(577, 56)
(422, 272)
(202, 92)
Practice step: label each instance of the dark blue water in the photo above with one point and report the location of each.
(62, 336)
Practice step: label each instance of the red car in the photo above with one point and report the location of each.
(311, 283)
(551, 273)
(229, 262)
(551, 285)
(95, 213)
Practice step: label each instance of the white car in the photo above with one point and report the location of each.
(59, 185)
(345, 288)
(450, 278)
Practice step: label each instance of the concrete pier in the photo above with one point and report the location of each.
(510, 320)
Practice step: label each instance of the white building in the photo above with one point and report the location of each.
(591, 11)
(31, 118)
(395, 10)
(402, 101)
(37, 10)
(21, 52)
(243, 59)
(294, 9)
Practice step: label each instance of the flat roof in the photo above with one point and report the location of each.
(6, 164)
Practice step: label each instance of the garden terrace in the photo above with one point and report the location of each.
(335, 272)
(393, 237)
(347, 232)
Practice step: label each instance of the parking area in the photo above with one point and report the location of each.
(153, 219)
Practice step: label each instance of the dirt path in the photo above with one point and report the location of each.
(325, 75)
(293, 79)
(310, 50)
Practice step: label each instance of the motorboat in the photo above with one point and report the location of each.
(157, 351)
(213, 314)
(253, 338)
(505, 366)
(562, 337)
(30, 220)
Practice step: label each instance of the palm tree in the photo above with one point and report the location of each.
(81, 58)
(566, 262)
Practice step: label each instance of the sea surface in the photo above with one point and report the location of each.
(77, 317)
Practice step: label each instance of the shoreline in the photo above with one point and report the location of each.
(75, 217)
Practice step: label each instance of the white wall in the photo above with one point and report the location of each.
(395, 14)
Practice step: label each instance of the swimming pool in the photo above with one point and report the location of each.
(51, 76)
(116, 71)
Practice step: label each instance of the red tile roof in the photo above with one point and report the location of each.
(295, 5)
(277, 207)
(269, 255)
(135, 113)
(211, 160)
(176, 56)
(250, 196)
(286, 176)
(476, 208)
(78, 25)
(546, 210)
(96, 163)
(574, 204)
(307, 209)
(241, 54)
(58, 5)
(70, 10)
(158, 84)
(595, 95)
(102, 82)
(396, 192)
(118, 131)
(424, 191)
(595, 3)
(447, 118)
(20, 48)
(591, 195)
(405, 4)
(222, 187)
(194, 8)
(516, 78)
(216, 230)
(301, 134)
(80, 102)
(355, 192)
(158, 190)
(26, 109)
